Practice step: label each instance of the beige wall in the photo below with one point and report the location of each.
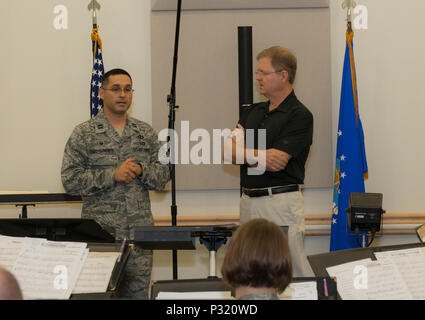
(390, 64)
(45, 76)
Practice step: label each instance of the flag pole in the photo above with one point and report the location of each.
(349, 5)
(98, 69)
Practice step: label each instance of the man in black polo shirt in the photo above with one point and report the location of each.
(275, 193)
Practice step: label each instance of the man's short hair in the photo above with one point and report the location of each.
(258, 256)
(281, 59)
(113, 72)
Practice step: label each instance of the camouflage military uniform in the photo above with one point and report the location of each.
(91, 155)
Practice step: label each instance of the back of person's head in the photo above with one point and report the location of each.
(113, 72)
(258, 256)
(9, 287)
(281, 59)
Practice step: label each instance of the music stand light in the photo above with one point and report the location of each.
(420, 232)
(365, 213)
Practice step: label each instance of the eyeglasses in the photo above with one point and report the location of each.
(262, 73)
(118, 90)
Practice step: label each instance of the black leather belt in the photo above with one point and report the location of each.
(273, 190)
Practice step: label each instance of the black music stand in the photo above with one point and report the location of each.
(216, 284)
(76, 230)
(79, 230)
(187, 285)
(25, 200)
(98, 239)
(183, 238)
(164, 238)
(117, 274)
(319, 262)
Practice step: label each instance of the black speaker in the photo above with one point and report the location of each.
(245, 67)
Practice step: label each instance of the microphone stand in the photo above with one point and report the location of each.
(171, 99)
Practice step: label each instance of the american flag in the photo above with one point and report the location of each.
(97, 73)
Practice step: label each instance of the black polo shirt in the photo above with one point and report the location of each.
(289, 128)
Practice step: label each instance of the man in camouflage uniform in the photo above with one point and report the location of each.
(112, 162)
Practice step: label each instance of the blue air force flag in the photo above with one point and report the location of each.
(350, 164)
(97, 73)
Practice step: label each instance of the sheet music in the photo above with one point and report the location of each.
(201, 295)
(300, 291)
(47, 269)
(411, 264)
(9, 250)
(345, 276)
(304, 290)
(380, 280)
(96, 272)
(393, 253)
(385, 282)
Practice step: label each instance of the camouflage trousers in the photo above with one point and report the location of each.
(135, 284)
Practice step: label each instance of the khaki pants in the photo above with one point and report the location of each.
(284, 209)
